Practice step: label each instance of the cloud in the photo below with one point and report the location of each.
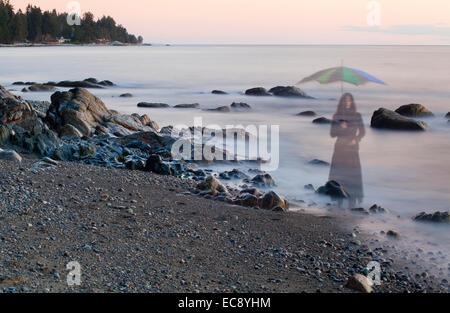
(440, 30)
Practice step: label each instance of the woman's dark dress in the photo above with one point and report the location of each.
(345, 164)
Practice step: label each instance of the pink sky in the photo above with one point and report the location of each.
(272, 21)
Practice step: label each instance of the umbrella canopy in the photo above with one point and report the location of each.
(342, 74)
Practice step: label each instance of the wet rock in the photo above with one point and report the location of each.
(251, 191)
(271, 200)
(359, 282)
(126, 95)
(436, 217)
(318, 162)
(187, 106)
(387, 119)
(219, 92)
(221, 109)
(233, 174)
(212, 183)
(264, 180)
(240, 106)
(152, 105)
(333, 189)
(134, 162)
(249, 201)
(257, 91)
(288, 91)
(375, 209)
(10, 155)
(414, 110)
(307, 113)
(447, 115)
(322, 120)
(392, 234)
(39, 87)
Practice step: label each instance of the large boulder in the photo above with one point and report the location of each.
(88, 115)
(10, 155)
(257, 91)
(288, 91)
(387, 119)
(360, 283)
(212, 183)
(414, 110)
(39, 87)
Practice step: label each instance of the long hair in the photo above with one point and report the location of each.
(342, 108)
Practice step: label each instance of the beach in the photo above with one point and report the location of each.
(98, 182)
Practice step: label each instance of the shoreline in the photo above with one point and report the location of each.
(145, 233)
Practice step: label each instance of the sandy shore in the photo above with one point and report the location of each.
(135, 231)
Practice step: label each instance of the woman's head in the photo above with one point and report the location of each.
(346, 104)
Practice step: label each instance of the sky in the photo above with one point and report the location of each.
(273, 21)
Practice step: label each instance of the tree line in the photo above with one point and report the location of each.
(35, 25)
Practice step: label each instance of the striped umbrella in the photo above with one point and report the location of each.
(342, 74)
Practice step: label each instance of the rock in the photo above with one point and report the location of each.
(87, 149)
(360, 210)
(307, 113)
(265, 180)
(249, 201)
(152, 105)
(39, 87)
(77, 84)
(211, 182)
(414, 110)
(288, 91)
(77, 107)
(375, 209)
(50, 161)
(233, 174)
(271, 200)
(318, 162)
(14, 109)
(359, 282)
(221, 109)
(436, 217)
(333, 189)
(4, 134)
(219, 92)
(187, 106)
(133, 162)
(251, 191)
(20, 83)
(240, 106)
(258, 91)
(392, 234)
(322, 120)
(69, 130)
(10, 155)
(156, 165)
(126, 95)
(447, 115)
(387, 119)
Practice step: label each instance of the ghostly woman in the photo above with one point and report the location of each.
(348, 127)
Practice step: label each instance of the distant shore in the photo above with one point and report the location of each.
(28, 45)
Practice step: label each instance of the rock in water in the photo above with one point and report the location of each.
(333, 189)
(152, 105)
(187, 106)
(384, 118)
(414, 110)
(218, 92)
(257, 91)
(436, 217)
(447, 115)
(271, 200)
(212, 183)
(307, 113)
(360, 283)
(39, 87)
(322, 120)
(265, 180)
(240, 106)
(10, 155)
(221, 109)
(288, 91)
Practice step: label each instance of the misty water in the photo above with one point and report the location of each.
(406, 172)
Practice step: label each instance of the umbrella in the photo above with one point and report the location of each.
(342, 74)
